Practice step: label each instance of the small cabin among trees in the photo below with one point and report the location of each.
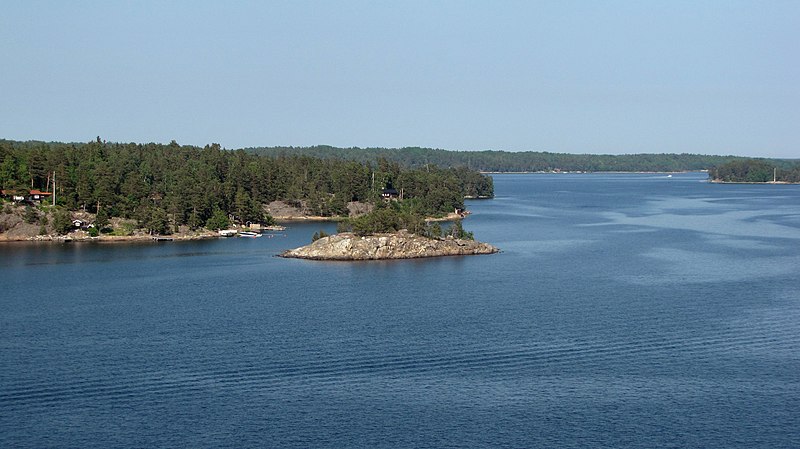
(13, 195)
(80, 224)
(30, 196)
(390, 194)
(38, 196)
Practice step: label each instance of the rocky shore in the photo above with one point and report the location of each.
(14, 228)
(79, 236)
(399, 245)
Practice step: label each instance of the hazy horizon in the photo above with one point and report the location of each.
(618, 77)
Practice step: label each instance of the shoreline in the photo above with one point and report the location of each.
(580, 172)
(349, 247)
(106, 238)
(302, 218)
(452, 216)
(77, 236)
(141, 238)
(787, 183)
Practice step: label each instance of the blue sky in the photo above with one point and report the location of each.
(713, 77)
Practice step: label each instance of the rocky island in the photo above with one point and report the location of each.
(395, 245)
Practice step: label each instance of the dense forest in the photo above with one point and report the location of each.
(504, 161)
(164, 186)
(167, 186)
(755, 170)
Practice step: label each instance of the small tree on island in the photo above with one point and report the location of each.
(101, 220)
(393, 218)
(62, 222)
(318, 235)
(154, 220)
(435, 230)
(218, 221)
(457, 232)
(194, 221)
(31, 215)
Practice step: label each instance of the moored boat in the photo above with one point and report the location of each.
(274, 228)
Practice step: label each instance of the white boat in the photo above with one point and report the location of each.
(249, 234)
(274, 228)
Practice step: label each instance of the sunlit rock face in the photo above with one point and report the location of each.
(399, 245)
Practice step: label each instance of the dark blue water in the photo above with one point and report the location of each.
(625, 311)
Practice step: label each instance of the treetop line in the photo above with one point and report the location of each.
(163, 185)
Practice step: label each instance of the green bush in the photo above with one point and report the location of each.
(457, 231)
(31, 215)
(154, 219)
(125, 229)
(318, 235)
(62, 222)
(218, 221)
(434, 230)
(385, 219)
(101, 219)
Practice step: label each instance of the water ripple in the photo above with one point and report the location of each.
(320, 369)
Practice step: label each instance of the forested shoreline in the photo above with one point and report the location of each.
(505, 161)
(755, 171)
(167, 186)
(164, 187)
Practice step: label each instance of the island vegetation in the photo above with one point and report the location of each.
(161, 189)
(406, 215)
(755, 171)
(393, 230)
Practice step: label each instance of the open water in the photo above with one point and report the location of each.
(624, 311)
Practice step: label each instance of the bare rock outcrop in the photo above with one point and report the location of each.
(399, 245)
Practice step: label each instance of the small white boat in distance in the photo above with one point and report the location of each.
(249, 234)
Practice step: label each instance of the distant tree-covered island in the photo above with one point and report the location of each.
(511, 161)
(720, 168)
(48, 187)
(755, 171)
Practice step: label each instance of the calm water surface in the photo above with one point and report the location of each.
(624, 311)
